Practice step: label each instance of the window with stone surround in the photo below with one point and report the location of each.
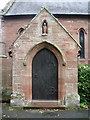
(82, 42)
(20, 30)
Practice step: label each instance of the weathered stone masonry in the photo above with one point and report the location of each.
(17, 70)
(60, 42)
(11, 25)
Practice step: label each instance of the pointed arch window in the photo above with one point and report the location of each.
(82, 43)
(44, 27)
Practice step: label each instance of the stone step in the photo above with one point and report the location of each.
(46, 104)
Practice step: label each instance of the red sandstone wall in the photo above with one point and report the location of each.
(73, 25)
(11, 26)
(22, 75)
(10, 33)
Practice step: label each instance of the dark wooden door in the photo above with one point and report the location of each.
(45, 76)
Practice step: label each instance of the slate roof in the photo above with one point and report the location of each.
(28, 8)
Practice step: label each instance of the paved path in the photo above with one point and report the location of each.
(9, 112)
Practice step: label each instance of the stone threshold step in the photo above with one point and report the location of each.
(47, 106)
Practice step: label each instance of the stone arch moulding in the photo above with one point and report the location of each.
(48, 45)
(83, 29)
(61, 63)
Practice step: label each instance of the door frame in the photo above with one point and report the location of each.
(61, 64)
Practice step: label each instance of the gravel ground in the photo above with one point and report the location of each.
(11, 113)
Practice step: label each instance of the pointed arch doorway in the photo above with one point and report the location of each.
(42, 57)
(45, 76)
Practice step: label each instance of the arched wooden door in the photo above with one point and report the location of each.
(45, 76)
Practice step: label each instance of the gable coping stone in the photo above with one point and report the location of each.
(43, 8)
